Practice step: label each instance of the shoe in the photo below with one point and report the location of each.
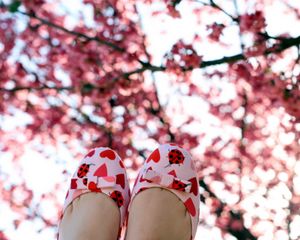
(171, 167)
(102, 171)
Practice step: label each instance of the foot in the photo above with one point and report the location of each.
(90, 216)
(158, 214)
(165, 197)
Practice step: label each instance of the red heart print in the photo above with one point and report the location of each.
(73, 183)
(190, 207)
(67, 194)
(194, 187)
(121, 180)
(101, 171)
(121, 164)
(155, 156)
(110, 154)
(90, 154)
(173, 173)
(93, 187)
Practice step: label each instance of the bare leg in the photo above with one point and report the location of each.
(158, 214)
(92, 216)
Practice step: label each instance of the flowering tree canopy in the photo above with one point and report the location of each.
(229, 93)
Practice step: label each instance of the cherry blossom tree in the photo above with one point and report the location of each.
(230, 94)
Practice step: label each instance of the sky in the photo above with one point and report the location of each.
(155, 29)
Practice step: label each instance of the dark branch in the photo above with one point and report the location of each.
(74, 33)
(160, 112)
(77, 34)
(216, 6)
(240, 234)
(19, 88)
(281, 45)
(284, 44)
(276, 48)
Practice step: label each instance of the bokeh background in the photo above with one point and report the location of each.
(220, 78)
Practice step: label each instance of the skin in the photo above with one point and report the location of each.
(158, 214)
(155, 214)
(91, 216)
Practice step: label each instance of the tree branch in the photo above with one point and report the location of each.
(283, 45)
(276, 48)
(240, 234)
(74, 33)
(216, 6)
(19, 88)
(158, 112)
(244, 233)
(240, 33)
(77, 34)
(85, 87)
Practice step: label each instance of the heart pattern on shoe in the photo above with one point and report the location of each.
(155, 156)
(73, 184)
(110, 154)
(90, 154)
(190, 206)
(172, 168)
(173, 173)
(194, 187)
(93, 187)
(121, 164)
(121, 180)
(101, 171)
